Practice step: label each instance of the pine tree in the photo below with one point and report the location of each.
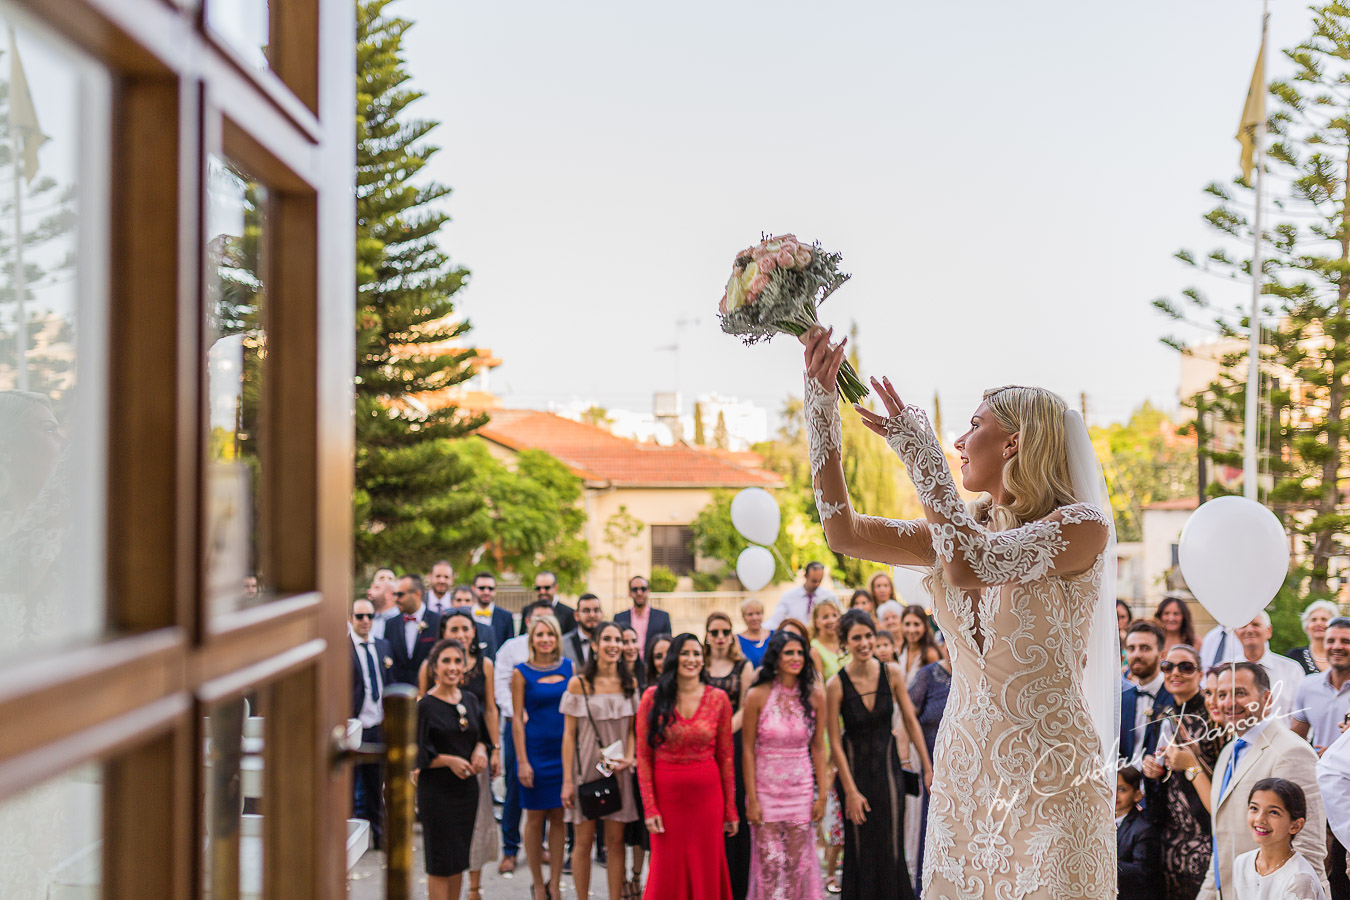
(699, 437)
(1306, 334)
(721, 437)
(409, 508)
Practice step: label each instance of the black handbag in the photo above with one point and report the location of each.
(601, 797)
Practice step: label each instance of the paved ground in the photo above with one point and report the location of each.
(366, 881)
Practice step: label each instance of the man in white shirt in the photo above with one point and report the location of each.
(1333, 777)
(440, 582)
(509, 655)
(381, 594)
(1324, 699)
(1285, 674)
(370, 661)
(1219, 646)
(797, 603)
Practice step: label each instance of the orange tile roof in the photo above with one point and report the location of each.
(598, 456)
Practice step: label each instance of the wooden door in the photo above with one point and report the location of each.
(176, 356)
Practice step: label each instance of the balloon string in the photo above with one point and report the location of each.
(787, 569)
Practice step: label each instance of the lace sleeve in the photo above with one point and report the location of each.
(645, 756)
(897, 542)
(1066, 542)
(725, 748)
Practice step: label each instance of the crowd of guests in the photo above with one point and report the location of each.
(809, 737)
(1234, 773)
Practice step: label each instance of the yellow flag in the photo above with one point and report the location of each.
(1253, 113)
(22, 112)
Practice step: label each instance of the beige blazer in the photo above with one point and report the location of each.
(1275, 753)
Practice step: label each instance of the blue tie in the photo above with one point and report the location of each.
(1223, 789)
(374, 675)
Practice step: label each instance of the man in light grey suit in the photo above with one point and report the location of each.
(1263, 748)
(577, 642)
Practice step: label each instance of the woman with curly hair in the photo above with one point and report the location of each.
(785, 772)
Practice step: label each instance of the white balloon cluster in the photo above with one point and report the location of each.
(756, 516)
(1234, 557)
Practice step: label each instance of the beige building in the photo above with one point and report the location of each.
(640, 498)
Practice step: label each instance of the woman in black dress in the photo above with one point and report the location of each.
(729, 671)
(868, 765)
(452, 748)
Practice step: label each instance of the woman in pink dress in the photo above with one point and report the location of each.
(785, 767)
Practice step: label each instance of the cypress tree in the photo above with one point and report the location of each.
(409, 506)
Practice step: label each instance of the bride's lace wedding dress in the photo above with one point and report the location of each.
(1019, 805)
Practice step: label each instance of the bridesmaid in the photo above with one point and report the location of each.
(687, 778)
(785, 772)
(537, 687)
(869, 768)
(451, 751)
(730, 672)
(600, 704)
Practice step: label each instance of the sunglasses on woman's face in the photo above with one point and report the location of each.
(719, 632)
(1184, 668)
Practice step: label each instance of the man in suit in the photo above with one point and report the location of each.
(412, 635)
(371, 661)
(440, 580)
(577, 642)
(486, 611)
(1143, 693)
(1263, 748)
(546, 589)
(645, 619)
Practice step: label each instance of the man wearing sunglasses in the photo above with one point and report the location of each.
(413, 633)
(371, 661)
(648, 621)
(546, 589)
(485, 610)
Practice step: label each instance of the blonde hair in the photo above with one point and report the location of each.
(815, 614)
(551, 622)
(1036, 478)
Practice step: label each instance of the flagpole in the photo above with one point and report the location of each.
(21, 330)
(1249, 462)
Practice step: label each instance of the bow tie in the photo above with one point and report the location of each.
(408, 618)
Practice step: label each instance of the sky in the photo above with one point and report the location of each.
(1006, 182)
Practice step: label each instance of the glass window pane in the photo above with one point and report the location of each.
(54, 150)
(244, 25)
(237, 352)
(232, 759)
(51, 838)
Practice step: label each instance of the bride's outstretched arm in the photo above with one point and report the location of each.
(1066, 542)
(865, 537)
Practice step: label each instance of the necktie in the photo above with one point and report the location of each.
(1223, 644)
(1223, 789)
(810, 602)
(373, 673)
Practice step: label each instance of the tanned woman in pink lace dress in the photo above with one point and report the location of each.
(783, 733)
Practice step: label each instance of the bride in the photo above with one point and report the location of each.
(1021, 805)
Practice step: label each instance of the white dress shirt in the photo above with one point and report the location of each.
(377, 628)
(439, 605)
(1143, 711)
(1333, 779)
(371, 713)
(795, 604)
(1209, 647)
(1285, 678)
(509, 655)
(410, 627)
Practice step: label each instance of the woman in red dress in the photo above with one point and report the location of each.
(685, 772)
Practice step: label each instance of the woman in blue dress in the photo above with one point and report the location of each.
(537, 687)
(928, 692)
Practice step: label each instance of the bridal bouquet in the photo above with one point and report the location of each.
(775, 288)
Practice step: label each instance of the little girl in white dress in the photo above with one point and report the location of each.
(1276, 811)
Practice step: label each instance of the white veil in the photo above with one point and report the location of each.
(1101, 677)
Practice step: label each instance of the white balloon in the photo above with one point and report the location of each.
(755, 568)
(1234, 557)
(755, 514)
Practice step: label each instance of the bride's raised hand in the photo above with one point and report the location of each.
(823, 359)
(889, 398)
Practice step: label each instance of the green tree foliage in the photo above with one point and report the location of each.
(1146, 461)
(532, 512)
(1306, 353)
(663, 580)
(410, 505)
